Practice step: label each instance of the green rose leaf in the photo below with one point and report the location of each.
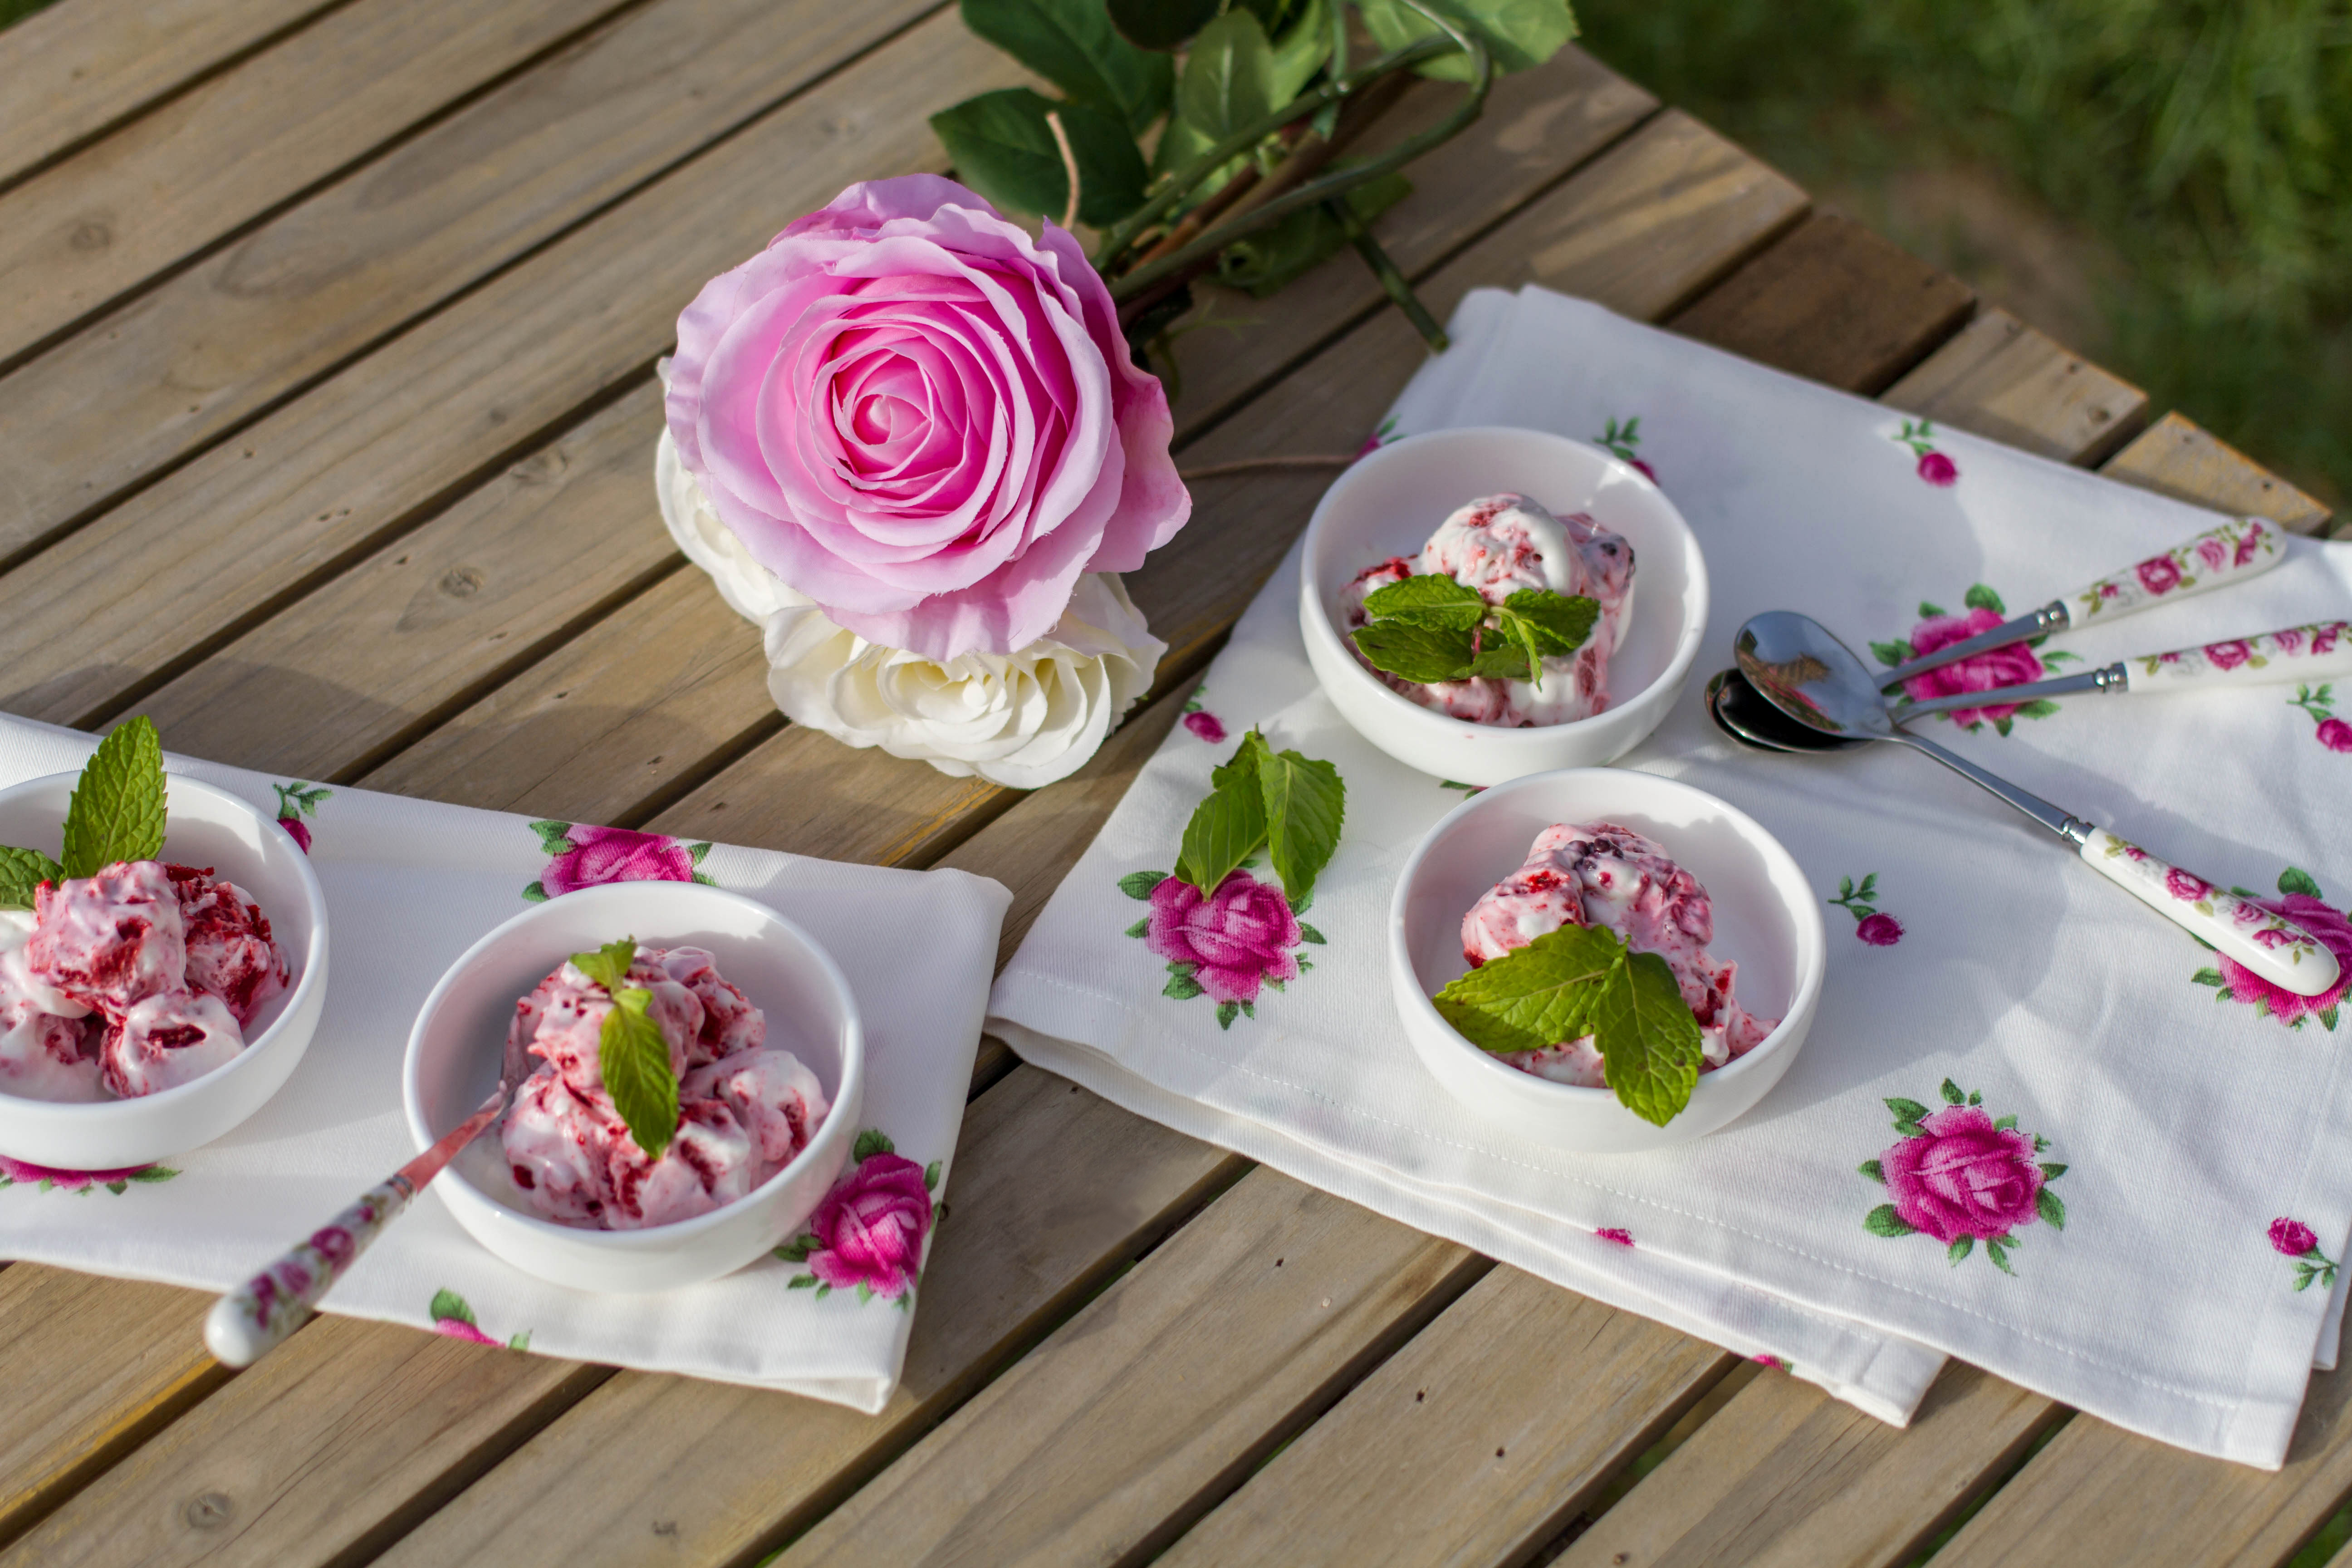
(1929, 612)
(447, 1303)
(1422, 654)
(870, 1143)
(1226, 1012)
(1229, 77)
(2208, 977)
(2040, 708)
(117, 810)
(931, 1177)
(1883, 1221)
(1307, 932)
(635, 1061)
(1997, 1249)
(1432, 599)
(1004, 149)
(1181, 988)
(1951, 1092)
(1265, 262)
(1960, 1249)
(1073, 45)
(2004, 1124)
(1873, 1169)
(1161, 24)
(1893, 653)
(1907, 1114)
(2295, 880)
(22, 871)
(2051, 1172)
(1981, 598)
(609, 963)
(1583, 981)
(2051, 1208)
(1138, 884)
(1519, 34)
(1304, 804)
(1299, 49)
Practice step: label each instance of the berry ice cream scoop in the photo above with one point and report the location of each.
(1605, 875)
(1498, 545)
(231, 953)
(166, 1040)
(745, 1109)
(109, 940)
(46, 1050)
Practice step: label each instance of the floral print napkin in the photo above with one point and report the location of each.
(410, 885)
(2033, 1126)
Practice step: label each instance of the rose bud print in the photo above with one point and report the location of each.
(1937, 469)
(2292, 1237)
(2335, 734)
(1880, 930)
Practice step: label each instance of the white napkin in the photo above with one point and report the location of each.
(410, 884)
(2187, 1122)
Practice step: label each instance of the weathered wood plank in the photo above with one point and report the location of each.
(137, 1359)
(82, 232)
(1788, 1477)
(1141, 1412)
(265, 1472)
(75, 68)
(1053, 1190)
(2173, 457)
(1832, 303)
(2098, 1495)
(484, 588)
(1452, 1453)
(2000, 378)
(199, 355)
(375, 450)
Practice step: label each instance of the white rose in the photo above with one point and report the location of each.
(1020, 719)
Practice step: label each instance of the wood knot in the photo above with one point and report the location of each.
(462, 582)
(209, 1510)
(90, 234)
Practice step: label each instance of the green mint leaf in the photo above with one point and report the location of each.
(1538, 995)
(1138, 884)
(23, 871)
(1649, 1041)
(1432, 599)
(635, 1060)
(1563, 624)
(447, 1303)
(117, 811)
(1300, 49)
(1883, 1221)
(1503, 659)
(1241, 772)
(1425, 654)
(1305, 802)
(1226, 828)
(2295, 880)
(1072, 43)
(609, 964)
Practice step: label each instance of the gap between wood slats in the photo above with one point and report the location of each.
(295, 390)
(278, 207)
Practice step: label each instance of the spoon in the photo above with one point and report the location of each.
(1795, 664)
(2232, 553)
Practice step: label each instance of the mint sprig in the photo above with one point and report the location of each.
(23, 871)
(1288, 804)
(609, 963)
(1431, 629)
(634, 1056)
(1579, 981)
(117, 810)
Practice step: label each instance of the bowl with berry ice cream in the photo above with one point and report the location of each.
(1487, 603)
(741, 1021)
(1554, 866)
(153, 1004)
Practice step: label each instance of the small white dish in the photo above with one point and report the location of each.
(1393, 500)
(201, 827)
(458, 1045)
(1766, 919)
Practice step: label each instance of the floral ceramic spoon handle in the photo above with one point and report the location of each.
(2270, 945)
(2321, 652)
(251, 1320)
(2232, 552)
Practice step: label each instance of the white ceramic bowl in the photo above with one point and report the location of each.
(460, 1043)
(1765, 919)
(202, 827)
(1391, 501)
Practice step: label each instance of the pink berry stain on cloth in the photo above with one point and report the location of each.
(1959, 1175)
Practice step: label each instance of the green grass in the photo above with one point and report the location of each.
(2202, 149)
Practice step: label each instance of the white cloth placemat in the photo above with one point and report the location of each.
(2162, 1293)
(410, 885)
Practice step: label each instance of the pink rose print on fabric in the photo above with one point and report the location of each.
(1933, 465)
(1199, 720)
(50, 1178)
(1621, 440)
(2319, 703)
(1872, 925)
(2293, 1238)
(296, 801)
(868, 1234)
(2300, 901)
(1228, 946)
(1616, 1237)
(2011, 665)
(581, 856)
(1378, 438)
(452, 1317)
(1960, 1176)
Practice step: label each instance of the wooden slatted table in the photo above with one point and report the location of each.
(326, 350)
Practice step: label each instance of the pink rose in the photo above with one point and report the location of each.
(1616, 1237)
(2248, 544)
(2213, 553)
(24, 1171)
(2292, 1237)
(2335, 734)
(299, 829)
(2332, 931)
(2158, 574)
(2009, 666)
(869, 1230)
(2289, 640)
(459, 1329)
(1240, 937)
(1880, 929)
(601, 855)
(2186, 886)
(1646, 471)
(2229, 655)
(1937, 469)
(923, 419)
(1963, 1176)
(1206, 725)
(2324, 639)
